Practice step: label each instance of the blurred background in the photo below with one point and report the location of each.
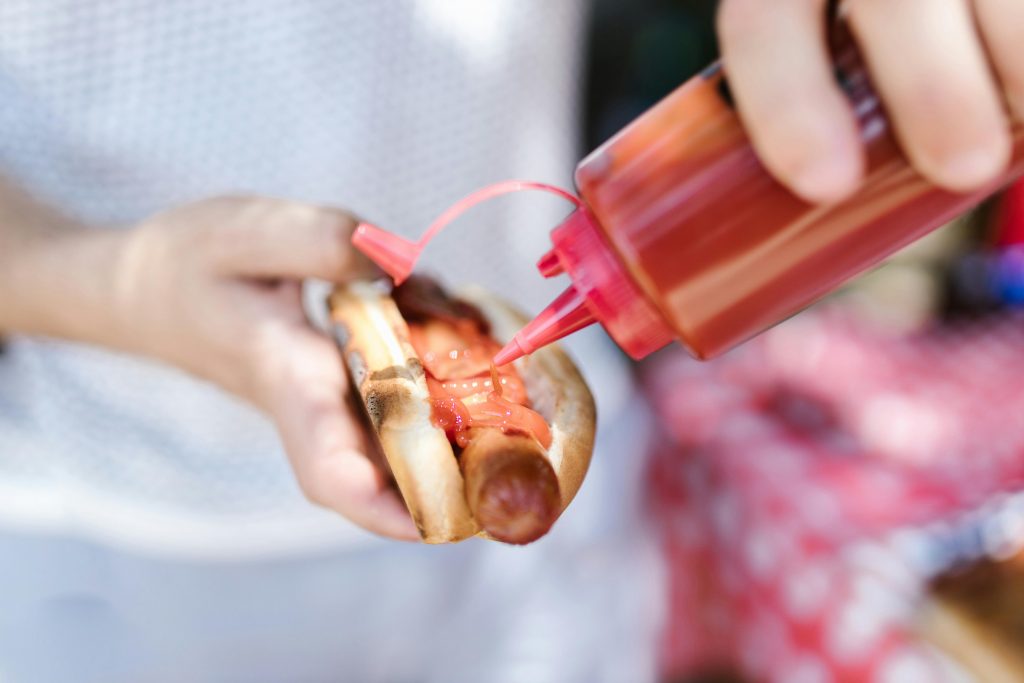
(835, 501)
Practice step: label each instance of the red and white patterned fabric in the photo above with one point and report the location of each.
(810, 483)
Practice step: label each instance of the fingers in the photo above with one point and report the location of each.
(929, 66)
(1001, 23)
(269, 238)
(779, 71)
(305, 391)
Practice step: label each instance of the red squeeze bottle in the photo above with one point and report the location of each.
(684, 235)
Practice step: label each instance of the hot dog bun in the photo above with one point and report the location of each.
(390, 379)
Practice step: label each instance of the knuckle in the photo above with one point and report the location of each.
(245, 227)
(335, 234)
(220, 238)
(736, 19)
(220, 224)
(318, 486)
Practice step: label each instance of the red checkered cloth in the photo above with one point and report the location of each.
(811, 482)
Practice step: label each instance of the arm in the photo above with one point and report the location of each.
(213, 288)
(55, 276)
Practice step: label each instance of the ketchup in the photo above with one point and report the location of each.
(466, 389)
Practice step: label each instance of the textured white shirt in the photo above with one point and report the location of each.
(394, 109)
(113, 110)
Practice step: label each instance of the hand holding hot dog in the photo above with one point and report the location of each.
(214, 289)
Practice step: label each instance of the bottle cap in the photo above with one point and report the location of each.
(395, 255)
(602, 291)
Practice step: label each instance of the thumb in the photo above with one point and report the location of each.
(325, 441)
(274, 238)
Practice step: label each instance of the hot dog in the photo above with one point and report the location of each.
(473, 449)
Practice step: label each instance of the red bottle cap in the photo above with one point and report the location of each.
(549, 265)
(395, 255)
(602, 291)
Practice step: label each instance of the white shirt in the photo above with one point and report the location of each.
(115, 110)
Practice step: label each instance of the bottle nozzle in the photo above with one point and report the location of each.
(565, 315)
(395, 255)
(510, 352)
(550, 265)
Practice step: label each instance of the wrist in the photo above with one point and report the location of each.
(63, 283)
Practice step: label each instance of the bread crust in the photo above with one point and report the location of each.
(374, 341)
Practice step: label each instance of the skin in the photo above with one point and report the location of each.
(213, 287)
(950, 73)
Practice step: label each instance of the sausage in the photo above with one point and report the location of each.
(508, 471)
(511, 487)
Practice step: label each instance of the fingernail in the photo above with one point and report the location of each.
(972, 169)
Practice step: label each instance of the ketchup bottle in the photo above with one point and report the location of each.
(683, 235)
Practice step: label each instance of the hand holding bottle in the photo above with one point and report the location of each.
(950, 74)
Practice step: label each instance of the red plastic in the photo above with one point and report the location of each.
(397, 256)
(682, 234)
(566, 314)
(723, 249)
(602, 286)
(1011, 217)
(549, 265)
(695, 240)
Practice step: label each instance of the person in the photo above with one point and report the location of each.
(171, 172)
(164, 399)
